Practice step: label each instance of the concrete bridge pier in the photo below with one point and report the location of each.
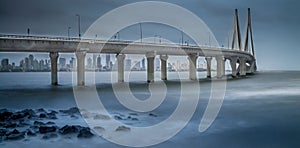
(53, 57)
(242, 66)
(252, 67)
(120, 58)
(220, 66)
(80, 55)
(150, 66)
(192, 66)
(233, 61)
(163, 59)
(208, 66)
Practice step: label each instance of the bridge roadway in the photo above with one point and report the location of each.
(53, 45)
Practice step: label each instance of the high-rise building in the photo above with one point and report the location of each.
(157, 64)
(62, 63)
(143, 64)
(72, 63)
(107, 61)
(30, 62)
(89, 62)
(99, 65)
(4, 65)
(26, 64)
(94, 60)
(127, 64)
(35, 65)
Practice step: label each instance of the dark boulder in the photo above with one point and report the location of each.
(47, 129)
(42, 115)
(15, 135)
(5, 116)
(67, 129)
(73, 110)
(85, 133)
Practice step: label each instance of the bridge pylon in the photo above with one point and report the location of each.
(236, 39)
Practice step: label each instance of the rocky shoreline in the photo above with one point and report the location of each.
(31, 123)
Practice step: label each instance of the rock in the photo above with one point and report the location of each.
(50, 123)
(3, 132)
(39, 123)
(30, 133)
(49, 136)
(134, 119)
(15, 135)
(153, 115)
(41, 110)
(17, 116)
(10, 125)
(123, 128)
(100, 116)
(51, 115)
(42, 115)
(5, 116)
(118, 117)
(73, 110)
(99, 129)
(69, 129)
(85, 133)
(47, 129)
(28, 112)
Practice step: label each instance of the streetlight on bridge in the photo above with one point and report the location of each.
(69, 28)
(78, 25)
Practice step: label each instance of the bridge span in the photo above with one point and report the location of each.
(241, 55)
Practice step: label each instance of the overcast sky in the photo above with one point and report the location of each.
(275, 23)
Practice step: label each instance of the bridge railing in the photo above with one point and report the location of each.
(17, 36)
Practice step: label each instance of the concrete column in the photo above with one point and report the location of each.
(80, 67)
(220, 66)
(242, 66)
(233, 61)
(253, 67)
(53, 57)
(192, 66)
(208, 66)
(223, 66)
(150, 67)
(120, 58)
(163, 59)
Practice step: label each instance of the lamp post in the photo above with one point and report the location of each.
(141, 31)
(69, 28)
(78, 25)
(181, 37)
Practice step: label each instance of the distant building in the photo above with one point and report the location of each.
(4, 65)
(62, 63)
(157, 64)
(143, 64)
(127, 65)
(99, 65)
(89, 62)
(107, 61)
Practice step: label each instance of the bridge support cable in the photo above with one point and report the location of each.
(192, 66)
(163, 59)
(80, 55)
(150, 67)
(120, 58)
(236, 39)
(53, 58)
(208, 66)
